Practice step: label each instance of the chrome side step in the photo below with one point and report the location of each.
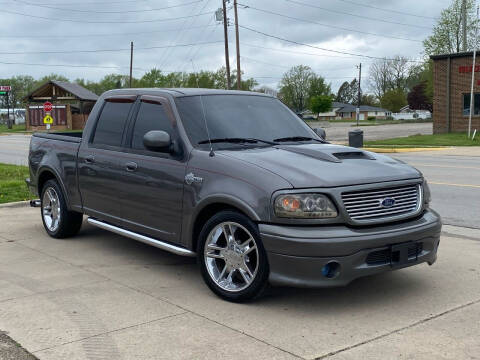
(142, 238)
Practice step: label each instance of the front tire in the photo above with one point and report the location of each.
(232, 258)
(57, 220)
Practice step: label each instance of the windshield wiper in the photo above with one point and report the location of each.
(236, 141)
(298, 138)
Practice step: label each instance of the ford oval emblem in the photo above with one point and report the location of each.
(387, 202)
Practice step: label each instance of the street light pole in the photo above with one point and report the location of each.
(131, 63)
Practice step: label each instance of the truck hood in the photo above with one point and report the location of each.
(325, 165)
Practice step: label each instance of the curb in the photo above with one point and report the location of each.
(401, 150)
(16, 204)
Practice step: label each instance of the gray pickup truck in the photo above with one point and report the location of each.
(238, 180)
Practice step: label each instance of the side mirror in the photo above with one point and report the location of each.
(157, 140)
(321, 132)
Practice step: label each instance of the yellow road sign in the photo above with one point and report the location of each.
(48, 119)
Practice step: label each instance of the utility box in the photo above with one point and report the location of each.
(355, 138)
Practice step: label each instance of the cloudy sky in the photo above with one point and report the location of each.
(77, 33)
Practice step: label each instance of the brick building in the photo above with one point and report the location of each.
(452, 76)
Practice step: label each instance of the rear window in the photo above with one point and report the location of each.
(111, 124)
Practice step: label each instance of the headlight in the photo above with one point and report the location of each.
(426, 192)
(309, 206)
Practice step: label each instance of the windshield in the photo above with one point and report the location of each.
(239, 116)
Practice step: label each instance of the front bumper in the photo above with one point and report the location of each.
(297, 254)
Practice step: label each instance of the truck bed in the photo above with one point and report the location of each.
(75, 136)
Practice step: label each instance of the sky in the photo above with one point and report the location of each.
(183, 35)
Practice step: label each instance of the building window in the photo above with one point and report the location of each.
(466, 104)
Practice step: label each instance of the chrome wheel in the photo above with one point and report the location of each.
(51, 209)
(231, 256)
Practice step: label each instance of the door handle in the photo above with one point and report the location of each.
(131, 166)
(90, 159)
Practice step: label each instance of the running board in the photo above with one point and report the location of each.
(142, 238)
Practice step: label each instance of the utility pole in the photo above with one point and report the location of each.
(225, 34)
(131, 63)
(359, 91)
(239, 72)
(464, 25)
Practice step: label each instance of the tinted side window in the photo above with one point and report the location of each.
(111, 123)
(150, 117)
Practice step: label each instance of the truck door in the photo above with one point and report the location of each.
(99, 163)
(151, 188)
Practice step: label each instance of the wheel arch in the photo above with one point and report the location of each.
(46, 173)
(212, 206)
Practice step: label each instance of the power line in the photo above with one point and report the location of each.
(387, 10)
(94, 2)
(317, 47)
(289, 67)
(99, 35)
(329, 25)
(357, 15)
(105, 22)
(104, 12)
(71, 66)
(105, 50)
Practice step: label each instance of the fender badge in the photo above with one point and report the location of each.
(190, 178)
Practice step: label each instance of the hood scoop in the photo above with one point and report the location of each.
(328, 154)
(357, 155)
(311, 152)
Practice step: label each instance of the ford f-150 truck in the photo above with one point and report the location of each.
(238, 180)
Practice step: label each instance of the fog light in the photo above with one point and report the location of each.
(331, 270)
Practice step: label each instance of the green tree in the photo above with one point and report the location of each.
(447, 34)
(21, 85)
(320, 104)
(348, 92)
(394, 100)
(318, 86)
(369, 99)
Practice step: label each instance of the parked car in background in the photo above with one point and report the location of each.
(239, 181)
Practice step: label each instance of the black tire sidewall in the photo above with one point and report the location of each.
(261, 279)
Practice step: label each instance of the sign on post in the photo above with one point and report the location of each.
(47, 106)
(5, 88)
(48, 119)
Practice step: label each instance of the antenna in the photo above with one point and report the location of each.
(206, 127)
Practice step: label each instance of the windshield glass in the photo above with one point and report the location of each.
(239, 116)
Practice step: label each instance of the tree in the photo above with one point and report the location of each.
(393, 100)
(295, 87)
(369, 99)
(21, 86)
(318, 86)
(380, 77)
(399, 68)
(348, 92)
(299, 85)
(447, 34)
(418, 98)
(320, 104)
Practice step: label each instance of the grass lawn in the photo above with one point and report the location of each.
(452, 139)
(12, 183)
(15, 128)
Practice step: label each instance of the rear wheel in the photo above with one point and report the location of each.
(57, 220)
(232, 258)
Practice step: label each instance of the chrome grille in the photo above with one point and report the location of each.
(366, 205)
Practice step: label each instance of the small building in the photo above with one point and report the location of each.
(349, 112)
(71, 102)
(452, 77)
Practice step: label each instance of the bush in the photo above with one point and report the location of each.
(370, 118)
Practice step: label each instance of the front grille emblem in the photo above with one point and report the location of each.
(387, 202)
